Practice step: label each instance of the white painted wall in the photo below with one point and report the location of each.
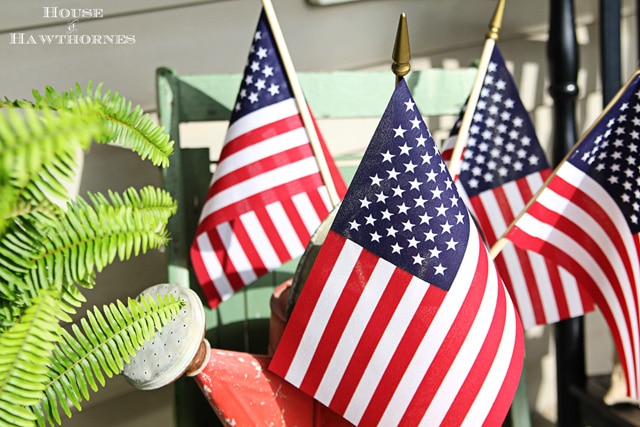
(213, 36)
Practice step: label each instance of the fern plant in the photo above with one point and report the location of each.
(52, 245)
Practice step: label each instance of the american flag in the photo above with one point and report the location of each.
(403, 319)
(587, 219)
(267, 195)
(502, 168)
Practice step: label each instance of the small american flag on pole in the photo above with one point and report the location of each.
(267, 195)
(502, 168)
(587, 219)
(403, 319)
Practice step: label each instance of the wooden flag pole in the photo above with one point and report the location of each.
(401, 50)
(502, 241)
(485, 57)
(307, 120)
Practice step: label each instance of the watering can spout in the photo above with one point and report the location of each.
(238, 386)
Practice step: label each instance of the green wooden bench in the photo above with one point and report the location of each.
(241, 323)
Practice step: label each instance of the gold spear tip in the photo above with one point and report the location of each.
(496, 22)
(401, 50)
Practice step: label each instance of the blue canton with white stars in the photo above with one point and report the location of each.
(402, 204)
(264, 82)
(609, 153)
(502, 144)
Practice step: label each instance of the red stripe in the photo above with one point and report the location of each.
(274, 238)
(509, 387)
(593, 208)
(570, 264)
(482, 216)
(259, 167)
(576, 231)
(558, 291)
(320, 204)
(228, 268)
(263, 198)
(482, 364)
(296, 221)
(450, 347)
(527, 279)
(370, 339)
(341, 312)
(305, 305)
(210, 293)
(256, 135)
(579, 235)
(401, 358)
(249, 248)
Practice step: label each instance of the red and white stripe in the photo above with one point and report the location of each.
(382, 347)
(576, 222)
(543, 292)
(266, 199)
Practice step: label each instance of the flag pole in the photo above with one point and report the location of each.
(401, 50)
(490, 42)
(296, 89)
(502, 241)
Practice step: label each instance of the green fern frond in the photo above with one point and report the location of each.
(24, 361)
(49, 188)
(30, 139)
(124, 123)
(100, 346)
(84, 239)
(36, 154)
(151, 200)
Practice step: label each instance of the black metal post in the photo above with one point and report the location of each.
(610, 64)
(562, 52)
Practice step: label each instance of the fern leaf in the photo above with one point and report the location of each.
(83, 240)
(100, 346)
(124, 123)
(26, 347)
(31, 143)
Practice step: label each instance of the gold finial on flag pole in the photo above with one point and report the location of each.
(485, 57)
(401, 50)
(496, 22)
(301, 103)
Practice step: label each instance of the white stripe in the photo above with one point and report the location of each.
(354, 329)
(545, 289)
(285, 229)
(262, 117)
(261, 241)
(520, 290)
(320, 316)
(307, 212)
(434, 337)
(257, 184)
(324, 195)
(236, 253)
(493, 212)
(264, 149)
(381, 357)
(460, 367)
(213, 267)
(490, 389)
(570, 288)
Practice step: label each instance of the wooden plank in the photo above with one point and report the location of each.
(337, 94)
